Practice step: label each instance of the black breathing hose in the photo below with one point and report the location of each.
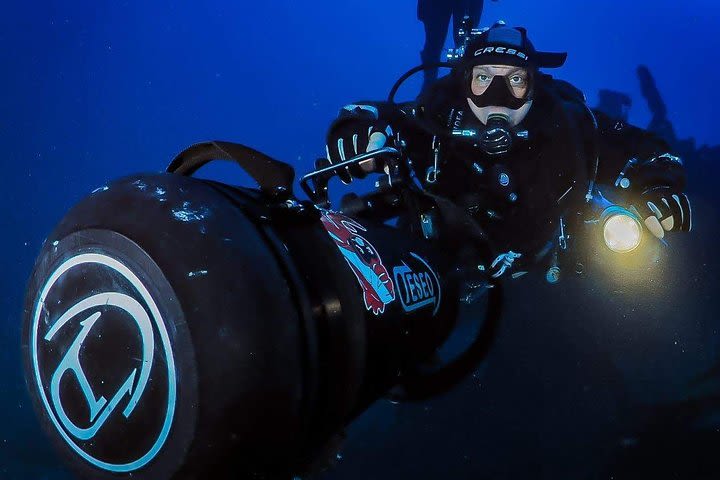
(411, 72)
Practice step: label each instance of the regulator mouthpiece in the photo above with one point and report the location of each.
(497, 138)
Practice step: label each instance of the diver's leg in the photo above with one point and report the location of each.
(435, 18)
(475, 9)
(471, 8)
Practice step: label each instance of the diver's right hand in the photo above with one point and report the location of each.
(351, 137)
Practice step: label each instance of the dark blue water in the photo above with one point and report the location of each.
(95, 90)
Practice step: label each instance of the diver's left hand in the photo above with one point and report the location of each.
(665, 210)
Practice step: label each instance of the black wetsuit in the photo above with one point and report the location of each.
(435, 15)
(518, 198)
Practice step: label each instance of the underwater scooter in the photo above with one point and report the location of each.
(184, 328)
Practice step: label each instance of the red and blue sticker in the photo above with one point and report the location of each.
(363, 258)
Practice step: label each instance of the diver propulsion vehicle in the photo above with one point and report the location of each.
(177, 327)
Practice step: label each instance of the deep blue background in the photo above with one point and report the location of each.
(95, 90)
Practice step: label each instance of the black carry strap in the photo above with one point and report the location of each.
(274, 177)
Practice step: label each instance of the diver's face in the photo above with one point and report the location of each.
(518, 81)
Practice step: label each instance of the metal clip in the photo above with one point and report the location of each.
(434, 171)
(621, 180)
(431, 176)
(562, 240)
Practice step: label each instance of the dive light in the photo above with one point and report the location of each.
(622, 229)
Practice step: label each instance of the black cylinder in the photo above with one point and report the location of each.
(181, 328)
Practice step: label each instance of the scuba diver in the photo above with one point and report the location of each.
(516, 149)
(435, 16)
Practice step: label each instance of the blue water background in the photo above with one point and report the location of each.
(91, 91)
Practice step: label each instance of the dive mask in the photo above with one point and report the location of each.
(500, 92)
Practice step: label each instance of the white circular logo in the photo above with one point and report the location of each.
(103, 362)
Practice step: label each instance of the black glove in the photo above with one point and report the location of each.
(357, 133)
(665, 209)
